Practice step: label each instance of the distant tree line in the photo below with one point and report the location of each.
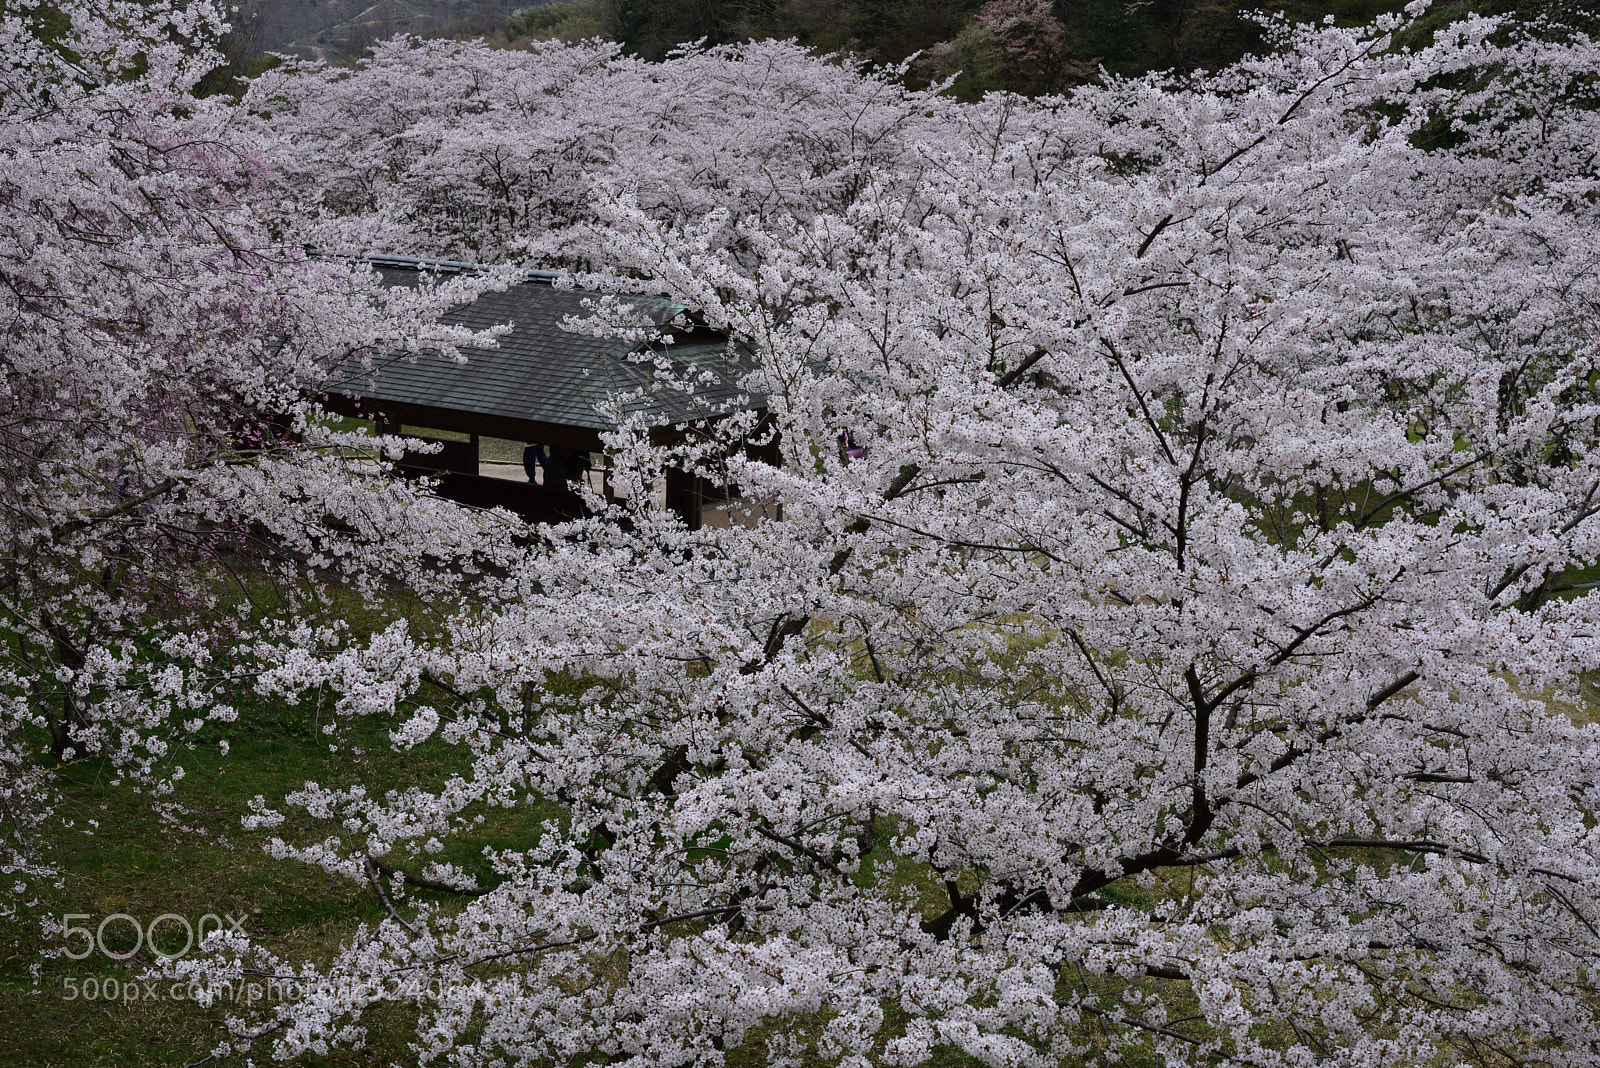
(1024, 46)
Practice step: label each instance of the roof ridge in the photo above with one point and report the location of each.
(422, 263)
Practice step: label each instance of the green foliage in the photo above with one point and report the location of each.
(986, 46)
(239, 67)
(885, 31)
(957, 39)
(561, 20)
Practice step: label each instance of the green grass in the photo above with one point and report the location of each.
(137, 862)
(122, 852)
(119, 851)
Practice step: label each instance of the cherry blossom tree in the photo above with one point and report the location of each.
(1185, 671)
(158, 347)
(459, 150)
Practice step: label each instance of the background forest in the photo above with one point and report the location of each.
(1023, 46)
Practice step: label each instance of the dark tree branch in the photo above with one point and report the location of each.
(422, 882)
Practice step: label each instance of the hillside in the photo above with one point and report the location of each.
(1026, 46)
(335, 30)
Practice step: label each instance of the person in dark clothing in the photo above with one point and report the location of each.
(555, 468)
(533, 458)
(578, 464)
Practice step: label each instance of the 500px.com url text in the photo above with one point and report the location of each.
(247, 992)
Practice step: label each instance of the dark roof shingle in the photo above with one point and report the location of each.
(543, 373)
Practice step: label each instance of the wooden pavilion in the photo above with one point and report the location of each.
(543, 385)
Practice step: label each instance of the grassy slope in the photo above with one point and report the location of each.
(139, 863)
(188, 855)
(147, 857)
